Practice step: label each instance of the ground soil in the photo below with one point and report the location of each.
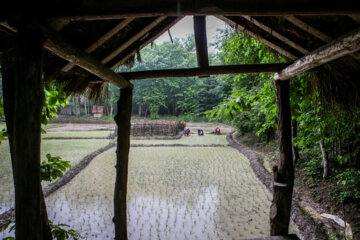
(312, 197)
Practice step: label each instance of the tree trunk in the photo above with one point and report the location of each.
(294, 135)
(122, 120)
(284, 172)
(324, 159)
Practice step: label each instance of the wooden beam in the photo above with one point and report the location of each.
(244, 29)
(123, 124)
(147, 42)
(307, 28)
(201, 41)
(140, 8)
(356, 18)
(283, 173)
(101, 40)
(315, 32)
(340, 47)
(59, 46)
(211, 70)
(133, 39)
(276, 34)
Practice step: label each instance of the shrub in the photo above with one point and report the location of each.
(348, 185)
(313, 168)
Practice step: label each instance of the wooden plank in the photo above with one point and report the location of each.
(306, 27)
(59, 46)
(87, 9)
(340, 47)
(133, 39)
(211, 70)
(280, 210)
(123, 124)
(201, 41)
(101, 40)
(150, 40)
(356, 18)
(258, 37)
(277, 35)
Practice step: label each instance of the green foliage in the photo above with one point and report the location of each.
(348, 185)
(313, 168)
(54, 97)
(53, 168)
(58, 231)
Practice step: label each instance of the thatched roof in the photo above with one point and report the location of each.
(116, 39)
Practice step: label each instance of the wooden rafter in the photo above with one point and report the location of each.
(276, 34)
(315, 32)
(211, 70)
(258, 37)
(140, 8)
(307, 28)
(101, 40)
(356, 18)
(340, 47)
(62, 48)
(150, 40)
(133, 39)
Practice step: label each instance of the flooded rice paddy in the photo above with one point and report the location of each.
(173, 193)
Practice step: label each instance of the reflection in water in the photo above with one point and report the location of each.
(173, 193)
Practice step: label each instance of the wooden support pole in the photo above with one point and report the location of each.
(283, 173)
(338, 48)
(201, 41)
(30, 210)
(211, 70)
(122, 120)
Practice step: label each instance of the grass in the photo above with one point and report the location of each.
(208, 193)
(70, 150)
(78, 134)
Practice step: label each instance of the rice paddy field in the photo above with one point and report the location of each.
(173, 192)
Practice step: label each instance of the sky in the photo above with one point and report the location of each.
(185, 27)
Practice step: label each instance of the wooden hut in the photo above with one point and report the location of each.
(82, 42)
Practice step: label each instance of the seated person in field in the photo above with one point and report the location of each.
(217, 131)
(187, 131)
(200, 132)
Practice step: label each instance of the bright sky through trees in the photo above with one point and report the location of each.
(186, 27)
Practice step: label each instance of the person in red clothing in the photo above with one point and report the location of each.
(217, 131)
(187, 131)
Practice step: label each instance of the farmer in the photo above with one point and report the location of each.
(217, 131)
(200, 132)
(187, 131)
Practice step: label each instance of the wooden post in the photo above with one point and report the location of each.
(122, 120)
(284, 172)
(201, 41)
(27, 100)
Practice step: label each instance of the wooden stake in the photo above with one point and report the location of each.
(122, 120)
(284, 172)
